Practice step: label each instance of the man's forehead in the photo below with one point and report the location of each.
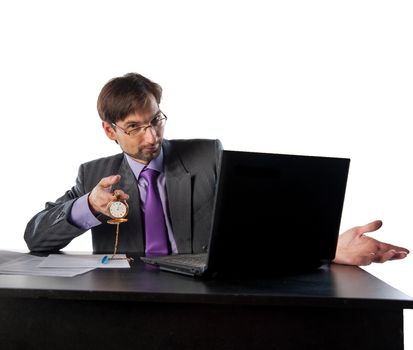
(140, 116)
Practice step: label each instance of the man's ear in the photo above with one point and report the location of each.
(109, 131)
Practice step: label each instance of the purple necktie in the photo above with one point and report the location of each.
(155, 228)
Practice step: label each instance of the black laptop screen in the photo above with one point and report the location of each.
(279, 210)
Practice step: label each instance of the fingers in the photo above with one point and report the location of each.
(107, 182)
(383, 257)
(370, 227)
(379, 257)
(389, 255)
(119, 194)
(354, 247)
(399, 255)
(384, 251)
(102, 194)
(386, 246)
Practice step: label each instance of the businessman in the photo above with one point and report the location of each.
(169, 185)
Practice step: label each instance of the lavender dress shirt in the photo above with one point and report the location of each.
(82, 217)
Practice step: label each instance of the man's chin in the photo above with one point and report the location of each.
(147, 155)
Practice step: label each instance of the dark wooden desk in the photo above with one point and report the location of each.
(336, 308)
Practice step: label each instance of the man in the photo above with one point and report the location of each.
(181, 188)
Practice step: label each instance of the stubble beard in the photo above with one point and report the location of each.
(145, 155)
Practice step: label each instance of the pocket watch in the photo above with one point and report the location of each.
(118, 210)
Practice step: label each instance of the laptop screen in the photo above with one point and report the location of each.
(276, 212)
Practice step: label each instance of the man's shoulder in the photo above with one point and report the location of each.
(191, 146)
(193, 153)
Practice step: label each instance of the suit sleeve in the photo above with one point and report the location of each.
(51, 229)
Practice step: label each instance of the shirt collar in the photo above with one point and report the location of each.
(155, 164)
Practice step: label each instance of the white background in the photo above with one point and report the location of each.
(328, 78)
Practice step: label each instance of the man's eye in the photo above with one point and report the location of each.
(133, 126)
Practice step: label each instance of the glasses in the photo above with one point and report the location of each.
(157, 123)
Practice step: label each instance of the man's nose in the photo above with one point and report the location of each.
(150, 134)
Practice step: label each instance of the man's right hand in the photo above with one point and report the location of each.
(102, 194)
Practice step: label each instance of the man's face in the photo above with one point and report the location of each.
(144, 145)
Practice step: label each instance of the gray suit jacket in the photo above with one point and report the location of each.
(190, 172)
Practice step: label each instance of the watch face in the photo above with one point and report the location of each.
(118, 209)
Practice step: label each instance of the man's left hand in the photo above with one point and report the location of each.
(355, 248)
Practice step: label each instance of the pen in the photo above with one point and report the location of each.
(105, 259)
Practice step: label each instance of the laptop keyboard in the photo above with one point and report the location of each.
(196, 260)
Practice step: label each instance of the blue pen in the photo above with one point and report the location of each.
(105, 259)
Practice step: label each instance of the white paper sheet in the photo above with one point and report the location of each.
(28, 265)
(59, 265)
(83, 261)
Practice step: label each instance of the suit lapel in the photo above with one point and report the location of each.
(178, 187)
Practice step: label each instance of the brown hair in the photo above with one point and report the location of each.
(122, 96)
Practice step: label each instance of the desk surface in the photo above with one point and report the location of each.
(337, 285)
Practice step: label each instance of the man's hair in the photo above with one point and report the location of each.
(122, 96)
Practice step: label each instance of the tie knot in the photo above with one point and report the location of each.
(149, 175)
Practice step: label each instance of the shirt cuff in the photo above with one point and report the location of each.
(81, 215)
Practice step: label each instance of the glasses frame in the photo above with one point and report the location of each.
(141, 130)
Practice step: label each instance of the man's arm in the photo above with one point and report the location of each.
(51, 229)
(55, 226)
(355, 248)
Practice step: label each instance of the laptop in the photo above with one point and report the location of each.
(273, 214)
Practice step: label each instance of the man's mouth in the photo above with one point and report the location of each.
(151, 148)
